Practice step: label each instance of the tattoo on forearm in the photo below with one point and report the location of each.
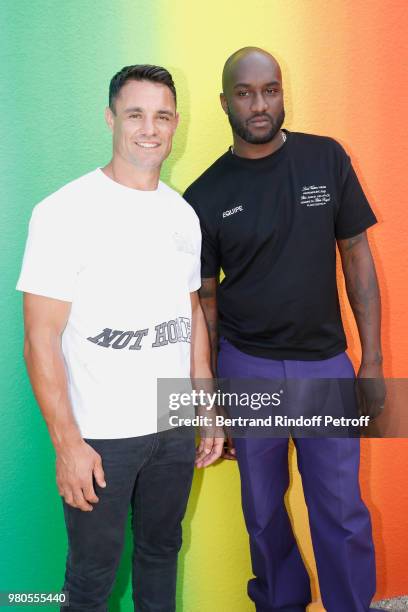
(363, 295)
(212, 325)
(207, 289)
(353, 241)
(208, 297)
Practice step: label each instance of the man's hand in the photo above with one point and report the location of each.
(371, 390)
(77, 465)
(228, 451)
(208, 451)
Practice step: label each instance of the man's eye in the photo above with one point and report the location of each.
(272, 91)
(243, 93)
(165, 117)
(135, 116)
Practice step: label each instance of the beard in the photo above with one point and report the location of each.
(243, 128)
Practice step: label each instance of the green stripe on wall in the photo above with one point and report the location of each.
(57, 60)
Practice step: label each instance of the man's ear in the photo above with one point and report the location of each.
(224, 103)
(109, 118)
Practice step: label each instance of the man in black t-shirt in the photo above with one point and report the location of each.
(272, 209)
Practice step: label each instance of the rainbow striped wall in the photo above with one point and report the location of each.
(343, 71)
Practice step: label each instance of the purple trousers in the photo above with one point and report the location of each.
(339, 520)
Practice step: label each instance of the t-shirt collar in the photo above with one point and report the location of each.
(260, 161)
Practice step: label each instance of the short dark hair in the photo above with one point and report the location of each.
(140, 72)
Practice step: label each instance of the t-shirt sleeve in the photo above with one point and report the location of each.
(354, 213)
(50, 264)
(210, 259)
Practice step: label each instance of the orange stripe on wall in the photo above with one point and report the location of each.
(353, 86)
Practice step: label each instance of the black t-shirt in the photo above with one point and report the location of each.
(271, 224)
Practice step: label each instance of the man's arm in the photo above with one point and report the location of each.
(364, 296)
(211, 444)
(77, 462)
(208, 298)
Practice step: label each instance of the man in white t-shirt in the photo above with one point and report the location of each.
(110, 278)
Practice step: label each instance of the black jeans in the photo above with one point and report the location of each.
(153, 475)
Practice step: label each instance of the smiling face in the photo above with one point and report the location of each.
(253, 97)
(142, 124)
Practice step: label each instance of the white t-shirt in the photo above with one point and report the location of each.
(127, 260)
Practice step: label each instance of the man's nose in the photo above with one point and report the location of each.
(148, 126)
(259, 103)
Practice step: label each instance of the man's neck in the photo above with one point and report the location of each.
(131, 176)
(256, 151)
